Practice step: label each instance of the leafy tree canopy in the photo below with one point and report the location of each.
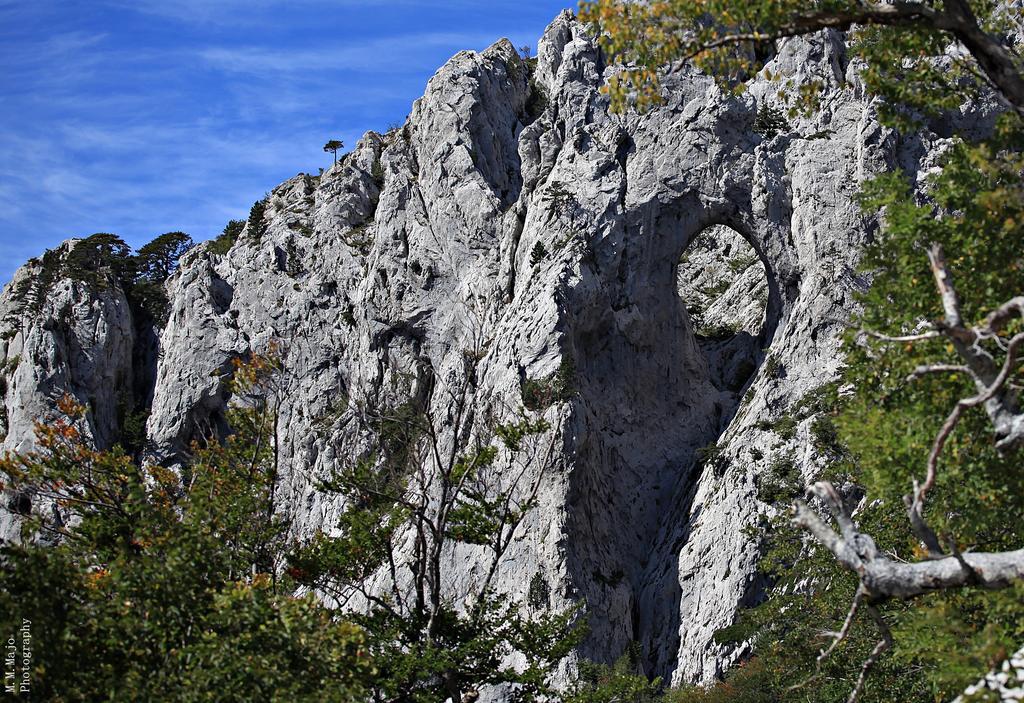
(157, 260)
(902, 44)
(156, 586)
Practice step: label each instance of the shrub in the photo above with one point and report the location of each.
(600, 683)
(539, 394)
(537, 101)
(770, 121)
(785, 426)
(741, 262)
(824, 436)
(377, 172)
(708, 454)
(293, 263)
(360, 237)
(539, 594)
(715, 290)
(163, 588)
(223, 243)
(538, 253)
(781, 483)
(718, 332)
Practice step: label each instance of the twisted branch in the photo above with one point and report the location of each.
(881, 577)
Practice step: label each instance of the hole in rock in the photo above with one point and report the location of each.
(723, 285)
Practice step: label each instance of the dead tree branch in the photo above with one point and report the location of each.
(880, 576)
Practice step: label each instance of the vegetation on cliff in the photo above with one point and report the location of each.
(919, 591)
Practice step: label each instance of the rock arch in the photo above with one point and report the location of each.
(653, 392)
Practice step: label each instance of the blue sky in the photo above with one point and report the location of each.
(140, 117)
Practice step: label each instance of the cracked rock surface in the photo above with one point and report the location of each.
(376, 277)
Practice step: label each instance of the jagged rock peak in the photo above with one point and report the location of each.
(514, 218)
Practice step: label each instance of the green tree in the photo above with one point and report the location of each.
(257, 223)
(146, 584)
(100, 260)
(618, 683)
(151, 266)
(226, 239)
(924, 586)
(333, 146)
(433, 640)
(732, 39)
(158, 259)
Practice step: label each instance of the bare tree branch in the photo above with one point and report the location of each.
(931, 334)
(883, 645)
(882, 577)
(840, 636)
(938, 368)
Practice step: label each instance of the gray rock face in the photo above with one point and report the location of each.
(512, 215)
(1005, 684)
(57, 337)
(61, 336)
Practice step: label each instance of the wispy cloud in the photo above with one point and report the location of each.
(241, 12)
(384, 55)
(145, 116)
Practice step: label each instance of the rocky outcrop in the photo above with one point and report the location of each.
(512, 217)
(61, 336)
(1005, 684)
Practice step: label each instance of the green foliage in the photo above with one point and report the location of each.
(785, 427)
(333, 146)
(619, 683)
(740, 262)
(428, 642)
(257, 224)
(293, 262)
(905, 63)
(781, 483)
(824, 436)
(879, 437)
(770, 121)
(719, 332)
(102, 261)
(538, 253)
(537, 100)
(133, 427)
(377, 172)
(876, 441)
(539, 594)
(981, 197)
(715, 290)
(158, 260)
(709, 454)
(99, 260)
(151, 267)
(360, 237)
(223, 243)
(542, 393)
(160, 586)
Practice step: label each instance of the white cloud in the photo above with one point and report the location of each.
(241, 12)
(389, 54)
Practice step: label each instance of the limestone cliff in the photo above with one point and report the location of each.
(691, 273)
